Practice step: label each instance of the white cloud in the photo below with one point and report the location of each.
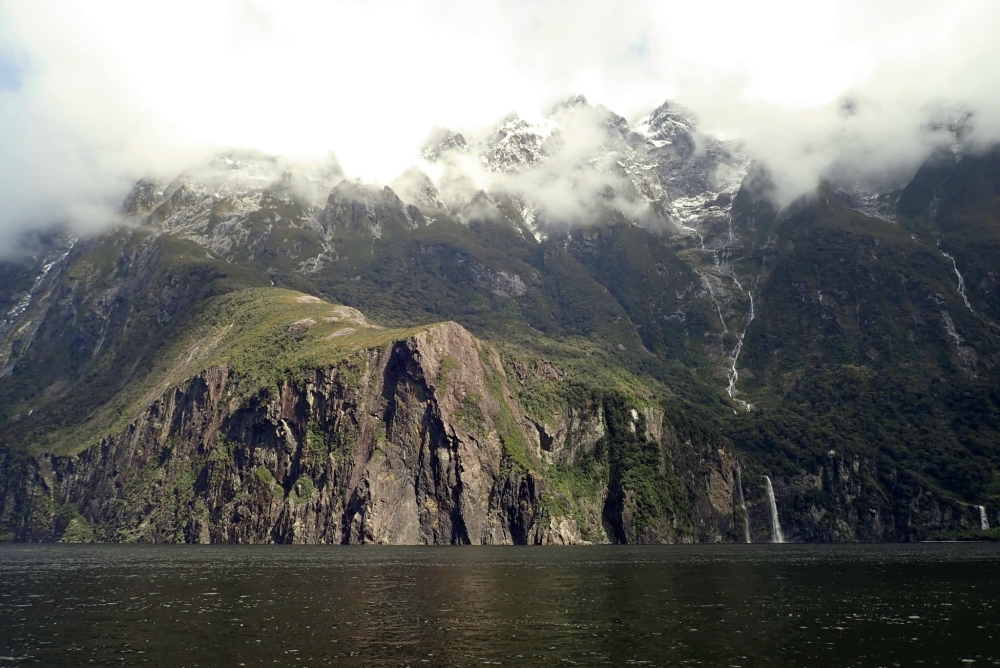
(114, 88)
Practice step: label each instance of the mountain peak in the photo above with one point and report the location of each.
(518, 143)
(415, 187)
(668, 124)
(571, 102)
(354, 205)
(146, 195)
(441, 141)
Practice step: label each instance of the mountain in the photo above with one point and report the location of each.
(580, 330)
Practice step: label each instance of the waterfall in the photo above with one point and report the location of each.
(732, 373)
(961, 281)
(734, 357)
(726, 252)
(776, 535)
(984, 523)
(743, 505)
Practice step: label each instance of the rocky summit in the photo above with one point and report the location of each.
(569, 329)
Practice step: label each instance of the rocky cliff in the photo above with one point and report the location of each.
(405, 444)
(181, 378)
(423, 440)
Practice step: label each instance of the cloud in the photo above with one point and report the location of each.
(563, 168)
(102, 91)
(579, 176)
(896, 67)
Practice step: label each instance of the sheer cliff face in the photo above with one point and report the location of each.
(405, 445)
(422, 441)
(417, 442)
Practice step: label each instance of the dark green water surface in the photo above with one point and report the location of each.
(742, 605)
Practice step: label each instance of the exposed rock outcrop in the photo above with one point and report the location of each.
(407, 444)
(422, 442)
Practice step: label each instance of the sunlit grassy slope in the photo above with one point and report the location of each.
(262, 335)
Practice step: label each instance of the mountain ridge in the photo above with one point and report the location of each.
(648, 355)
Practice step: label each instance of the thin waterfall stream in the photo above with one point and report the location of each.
(776, 535)
(961, 281)
(733, 373)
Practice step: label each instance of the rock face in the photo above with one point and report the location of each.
(423, 442)
(353, 206)
(688, 322)
(843, 500)
(403, 445)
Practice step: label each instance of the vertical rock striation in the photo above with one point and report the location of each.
(404, 445)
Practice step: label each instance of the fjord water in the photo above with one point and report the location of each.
(734, 605)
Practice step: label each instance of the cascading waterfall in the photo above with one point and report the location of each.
(984, 523)
(961, 281)
(743, 505)
(776, 535)
(734, 358)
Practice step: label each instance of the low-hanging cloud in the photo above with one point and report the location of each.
(94, 93)
(562, 168)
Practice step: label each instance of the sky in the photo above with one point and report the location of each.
(95, 93)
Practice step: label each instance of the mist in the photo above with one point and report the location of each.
(97, 93)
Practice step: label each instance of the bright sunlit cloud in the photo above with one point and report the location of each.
(96, 92)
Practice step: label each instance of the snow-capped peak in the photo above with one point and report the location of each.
(442, 141)
(665, 124)
(519, 143)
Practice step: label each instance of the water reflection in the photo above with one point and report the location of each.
(652, 606)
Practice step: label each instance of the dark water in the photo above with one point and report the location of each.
(780, 605)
